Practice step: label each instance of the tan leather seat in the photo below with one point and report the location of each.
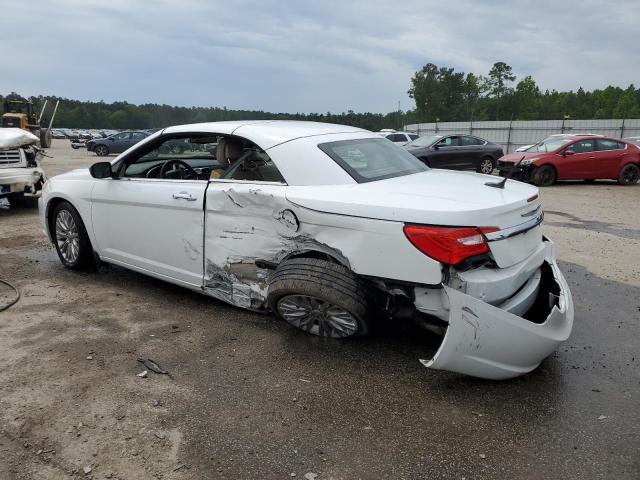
(229, 150)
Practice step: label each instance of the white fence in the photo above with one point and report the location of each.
(517, 133)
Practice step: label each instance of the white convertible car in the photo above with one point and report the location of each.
(327, 226)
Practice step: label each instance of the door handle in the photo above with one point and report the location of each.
(184, 196)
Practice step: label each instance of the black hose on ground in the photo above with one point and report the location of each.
(12, 302)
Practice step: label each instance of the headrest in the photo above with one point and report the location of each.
(229, 150)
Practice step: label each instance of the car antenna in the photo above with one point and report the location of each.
(501, 183)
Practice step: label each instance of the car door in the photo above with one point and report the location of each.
(446, 153)
(608, 157)
(153, 225)
(119, 143)
(471, 150)
(575, 161)
(246, 220)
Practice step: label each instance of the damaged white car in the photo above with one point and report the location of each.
(324, 225)
(20, 171)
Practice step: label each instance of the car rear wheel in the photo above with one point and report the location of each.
(70, 238)
(629, 175)
(319, 297)
(101, 150)
(486, 166)
(544, 176)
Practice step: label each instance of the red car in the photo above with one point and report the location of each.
(574, 157)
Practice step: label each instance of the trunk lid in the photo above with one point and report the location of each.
(435, 197)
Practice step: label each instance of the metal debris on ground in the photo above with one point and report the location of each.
(153, 366)
(142, 374)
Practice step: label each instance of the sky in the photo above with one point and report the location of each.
(305, 56)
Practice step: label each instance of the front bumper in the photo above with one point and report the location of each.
(494, 342)
(523, 173)
(27, 180)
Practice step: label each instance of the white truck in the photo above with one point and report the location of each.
(20, 171)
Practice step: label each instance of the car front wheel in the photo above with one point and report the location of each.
(319, 297)
(70, 238)
(101, 150)
(544, 176)
(629, 175)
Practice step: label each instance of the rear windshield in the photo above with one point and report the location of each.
(370, 159)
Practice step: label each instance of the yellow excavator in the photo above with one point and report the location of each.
(21, 114)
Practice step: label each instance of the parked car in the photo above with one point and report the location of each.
(456, 152)
(117, 143)
(574, 157)
(400, 138)
(328, 227)
(57, 134)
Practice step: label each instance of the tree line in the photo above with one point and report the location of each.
(440, 94)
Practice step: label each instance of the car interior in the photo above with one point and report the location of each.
(202, 157)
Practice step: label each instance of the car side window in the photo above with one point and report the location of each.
(138, 136)
(399, 137)
(122, 136)
(583, 146)
(254, 165)
(449, 142)
(467, 140)
(605, 144)
(414, 136)
(190, 157)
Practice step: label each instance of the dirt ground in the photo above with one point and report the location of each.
(251, 398)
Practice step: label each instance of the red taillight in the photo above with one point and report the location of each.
(449, 245)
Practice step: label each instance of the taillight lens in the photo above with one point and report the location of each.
(449, 245)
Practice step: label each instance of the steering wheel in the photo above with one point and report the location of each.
(190, 172)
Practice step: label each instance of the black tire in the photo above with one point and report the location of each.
(101, 150)
(84, 259)
(486, 165)
(629, 174)
(45, 138)
(544, 176)
(328, 287)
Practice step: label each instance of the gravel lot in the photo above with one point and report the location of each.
(250, 397)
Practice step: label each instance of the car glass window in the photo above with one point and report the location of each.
(583, 146)
(449, 142)
(138, 136)
(549, 145)
(606, 144)
(186, 158)
(413, 136)
(254, 165)
(122, 136)
(370, 159)
(467, 140)
(398, 137)
(425, 141)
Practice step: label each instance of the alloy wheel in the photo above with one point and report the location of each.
(316, 316)
(67, 237)
(486, 166)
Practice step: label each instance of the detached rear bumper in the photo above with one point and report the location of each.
(486, 341)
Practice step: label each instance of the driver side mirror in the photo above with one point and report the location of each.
(101, 170)
(568, 153)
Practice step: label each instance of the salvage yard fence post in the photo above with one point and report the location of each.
(514, 134)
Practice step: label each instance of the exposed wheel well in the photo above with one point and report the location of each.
(315, 254)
